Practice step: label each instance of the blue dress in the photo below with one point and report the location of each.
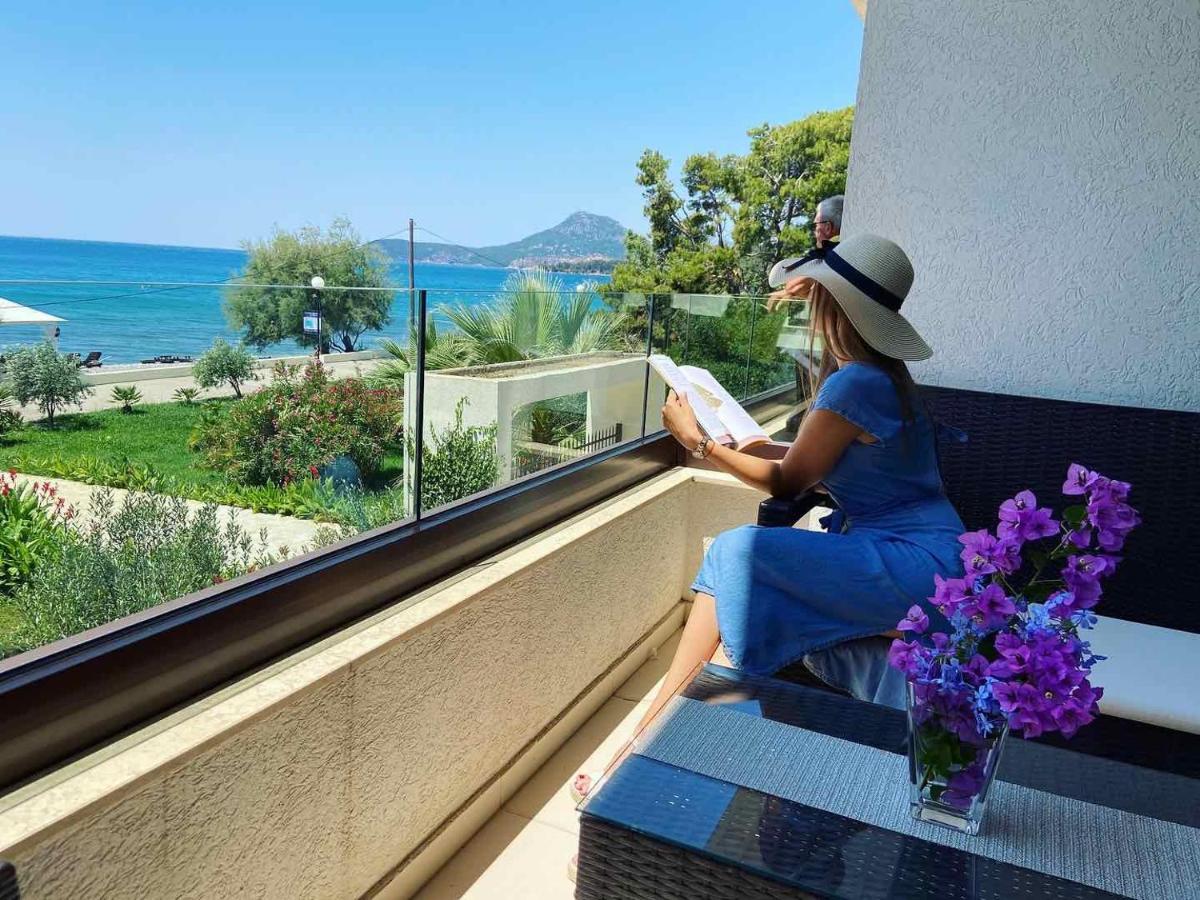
(783, 594)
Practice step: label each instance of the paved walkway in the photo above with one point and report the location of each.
(162, 390)
(285, 534)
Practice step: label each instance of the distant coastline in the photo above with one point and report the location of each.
(66, 240)
(583, 266)
(139, 318)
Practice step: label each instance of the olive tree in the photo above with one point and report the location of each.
(43, 376)
(223, 363)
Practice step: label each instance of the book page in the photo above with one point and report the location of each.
(742, 428)
(704, 405)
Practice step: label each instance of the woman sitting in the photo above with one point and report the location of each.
(769, 597)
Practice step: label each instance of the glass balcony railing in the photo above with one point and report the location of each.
(416, 401)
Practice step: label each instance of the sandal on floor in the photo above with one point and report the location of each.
(573, 868)
(581, 784)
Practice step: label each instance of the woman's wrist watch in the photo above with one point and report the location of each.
(702, 449)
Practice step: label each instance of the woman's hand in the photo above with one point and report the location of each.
(679, 419)
(797, 289)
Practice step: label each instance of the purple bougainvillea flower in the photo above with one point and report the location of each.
(1006, 694)
(915, 621)
(907, 656)
(949, 593)
(984, 554)
(1112, 517)
(1080, 537)
(975, 670)
(978, 547)
(1079, 480)
(1022, 520)
(1070, 716)
(993, 606)
(1082, 576)
(963, 786)
(1007, 555)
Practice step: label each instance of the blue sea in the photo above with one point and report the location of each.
(144, 318)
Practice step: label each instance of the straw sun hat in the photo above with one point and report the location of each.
(869, 277)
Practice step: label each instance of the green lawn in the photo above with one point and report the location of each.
(154, 435)
(123, 449)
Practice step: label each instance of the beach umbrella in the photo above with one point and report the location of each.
(15, 314)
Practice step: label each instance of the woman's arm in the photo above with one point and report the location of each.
(822, 439)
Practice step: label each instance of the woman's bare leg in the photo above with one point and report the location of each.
(700, 642)
(719, 657)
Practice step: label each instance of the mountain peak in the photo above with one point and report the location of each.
(580, 238)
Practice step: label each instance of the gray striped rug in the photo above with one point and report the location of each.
(1110, 849)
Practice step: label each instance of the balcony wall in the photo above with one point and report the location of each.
(1041, 164)
(321, 776)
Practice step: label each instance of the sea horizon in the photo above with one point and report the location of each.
(128, 324)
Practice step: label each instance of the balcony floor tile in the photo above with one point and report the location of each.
(646, 680)
(546, 796)
(509, 857)
(524, 849)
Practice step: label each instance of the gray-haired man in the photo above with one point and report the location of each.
(827, 228)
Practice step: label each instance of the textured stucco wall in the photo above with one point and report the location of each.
(1041, 164)
(316, 779)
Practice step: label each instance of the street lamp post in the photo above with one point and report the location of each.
(318, 283)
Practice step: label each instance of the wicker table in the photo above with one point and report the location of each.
(657, 829)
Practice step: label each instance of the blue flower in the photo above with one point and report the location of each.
(984, 700)
(1037, 619)
(983, 723)
(951, 675)
(1087, 658)
(1084, 618)
(1057, 599)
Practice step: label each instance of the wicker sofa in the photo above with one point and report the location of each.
(1151, 715)
(1150, 627)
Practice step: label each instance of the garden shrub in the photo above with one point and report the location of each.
(562, 420)
(304, 499)
(363, 510)
(457, 461)
(43, 376)
(10, 417)
(127, 559)
(32, 520)
(292, 428)
(222, 363)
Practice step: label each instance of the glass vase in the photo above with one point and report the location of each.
(950, 773)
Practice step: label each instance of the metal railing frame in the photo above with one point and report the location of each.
(66, 698)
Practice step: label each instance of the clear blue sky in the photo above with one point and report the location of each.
(205, 123)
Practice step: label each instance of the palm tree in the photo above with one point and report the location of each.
(536, 316)
(442, 351)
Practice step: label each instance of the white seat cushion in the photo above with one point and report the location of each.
(1151, 674)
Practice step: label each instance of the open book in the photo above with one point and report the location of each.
(721, 417)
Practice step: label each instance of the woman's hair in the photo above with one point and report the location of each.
(840, 338)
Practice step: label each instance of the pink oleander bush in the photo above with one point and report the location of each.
(32, 520)
(289, 430)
